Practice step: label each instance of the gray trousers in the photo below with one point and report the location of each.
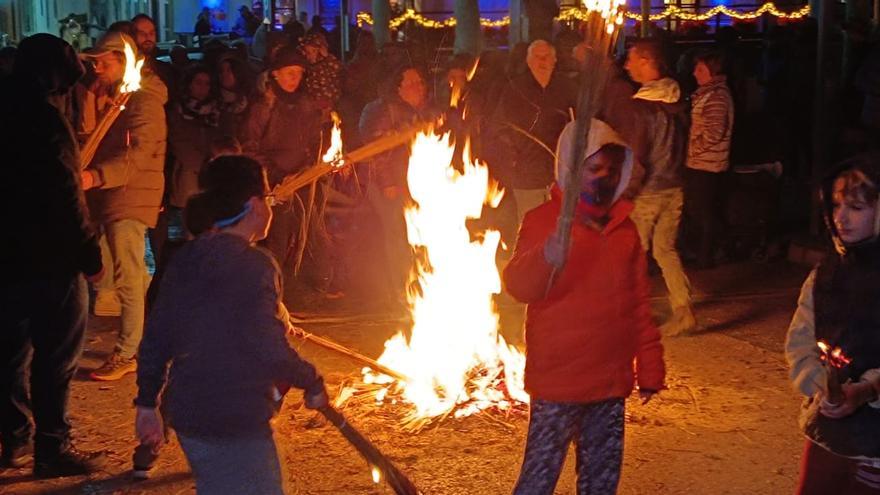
(246, 465)
(597, 432)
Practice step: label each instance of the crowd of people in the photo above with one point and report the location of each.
(187, 172)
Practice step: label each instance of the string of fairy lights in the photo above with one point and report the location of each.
(572, 14)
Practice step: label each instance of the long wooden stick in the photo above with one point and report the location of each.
(293, 183)
(91, 145)
(594, 77)
(333, 346)
(393, 476)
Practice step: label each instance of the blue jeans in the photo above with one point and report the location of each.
(241, 465)
(42, 323)
(123, 247)
(597, 431)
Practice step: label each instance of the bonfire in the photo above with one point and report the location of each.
(452, 361)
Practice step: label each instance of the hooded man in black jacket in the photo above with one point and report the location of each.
(48, 248)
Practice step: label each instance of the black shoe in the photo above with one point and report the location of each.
(16, 456)
(143, 461)
(71, 462)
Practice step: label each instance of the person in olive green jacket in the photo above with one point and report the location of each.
(124, 184)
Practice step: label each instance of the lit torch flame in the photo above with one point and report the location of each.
(610, 10)
(377, 475)
(833, 357)
(131, 80)
(333, 155)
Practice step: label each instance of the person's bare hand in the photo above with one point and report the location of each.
(856, 394)
(148, 427)
(316, 400)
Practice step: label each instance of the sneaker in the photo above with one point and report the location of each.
(143, 460)
(107, 303)
(681, 322)
(16, 456)
(71, 462)
(114, 368)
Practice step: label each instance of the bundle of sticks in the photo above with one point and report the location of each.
(295, 182)
(600, 34)
(130, 83)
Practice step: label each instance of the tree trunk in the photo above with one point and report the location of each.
(468, 34)
(381, 18)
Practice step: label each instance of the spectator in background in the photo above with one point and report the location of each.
(359, 86)
(143, 30)
(654, 122)
(124, 185)
(317, 27)
(48, 246)
(246, 24)
(294, 31)
(193, 125)
(403, 103)
(236, 85)
(283, 130)
(708, 155)
(532, 111)
(304, 20)
(179, 58)
(203, 23)
(324, 76)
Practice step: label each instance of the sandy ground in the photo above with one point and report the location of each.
(727, 424)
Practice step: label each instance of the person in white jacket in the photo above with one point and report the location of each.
(838, 308)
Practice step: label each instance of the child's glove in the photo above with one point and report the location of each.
(555, 251)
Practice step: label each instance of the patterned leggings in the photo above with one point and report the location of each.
(597, 430)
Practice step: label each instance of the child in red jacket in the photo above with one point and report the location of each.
(590, 336)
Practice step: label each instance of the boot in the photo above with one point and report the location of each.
(681, 322)
(71, 462)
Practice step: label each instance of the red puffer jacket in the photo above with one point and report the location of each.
(592, 334)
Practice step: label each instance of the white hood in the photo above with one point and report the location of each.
(664, 90)
(600, 135)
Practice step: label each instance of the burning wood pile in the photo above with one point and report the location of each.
(452, 361)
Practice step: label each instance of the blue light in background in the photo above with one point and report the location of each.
(211, 4)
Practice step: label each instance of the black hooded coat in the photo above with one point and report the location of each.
(46, 232)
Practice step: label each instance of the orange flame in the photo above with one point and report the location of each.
(455, 357)
(333, 155)
(833, 357)
(131, 80)
(610, 10)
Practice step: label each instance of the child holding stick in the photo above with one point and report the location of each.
(838, 307)
(585, 333)
(218, 331)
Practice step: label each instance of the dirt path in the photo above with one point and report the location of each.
(726, 425)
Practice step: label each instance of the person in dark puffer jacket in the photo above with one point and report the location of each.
(838, 306)
(216, 337)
